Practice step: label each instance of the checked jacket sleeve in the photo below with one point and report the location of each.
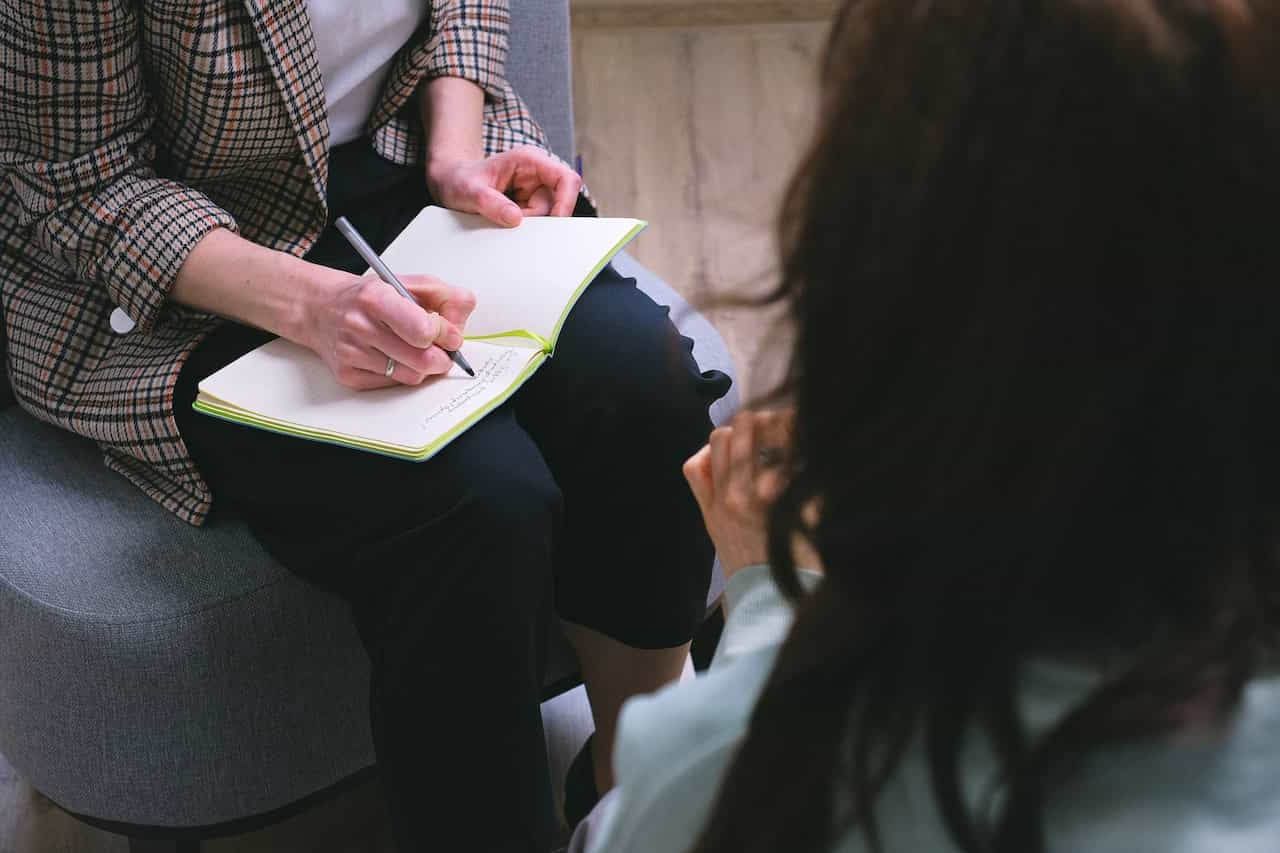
(462, 38)
(75, 147)
(470, 39)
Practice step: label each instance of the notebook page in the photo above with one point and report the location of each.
(282, 385)
(523, 277)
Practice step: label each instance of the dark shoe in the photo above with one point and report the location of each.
(580, 794)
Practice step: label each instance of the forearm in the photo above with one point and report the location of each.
(228, 275)
(452, 111)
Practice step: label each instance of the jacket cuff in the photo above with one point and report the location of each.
(472, 54)
(149, 248)
(759, 615)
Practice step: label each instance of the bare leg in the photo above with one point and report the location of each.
(613, 673)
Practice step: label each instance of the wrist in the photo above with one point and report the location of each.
(441, 162)
(315, 287)
(452, 111)
(436, 167)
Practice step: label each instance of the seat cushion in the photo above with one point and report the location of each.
(159, 674)
(151, 672)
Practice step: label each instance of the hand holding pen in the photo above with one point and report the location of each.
(356, 323)
(381, 326)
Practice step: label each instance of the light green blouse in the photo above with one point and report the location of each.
(1215, 795)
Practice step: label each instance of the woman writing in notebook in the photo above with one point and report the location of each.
(169, 211)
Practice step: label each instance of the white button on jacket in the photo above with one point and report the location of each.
(121, 323)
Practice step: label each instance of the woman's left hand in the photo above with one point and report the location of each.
(506, 187)
(735, 478)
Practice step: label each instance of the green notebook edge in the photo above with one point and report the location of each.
(323, 437)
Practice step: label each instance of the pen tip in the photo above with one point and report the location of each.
(462, 362)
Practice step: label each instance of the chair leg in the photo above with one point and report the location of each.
(151, 845)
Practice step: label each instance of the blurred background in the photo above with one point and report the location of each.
(692, 115)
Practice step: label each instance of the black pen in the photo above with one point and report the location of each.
(371, 258)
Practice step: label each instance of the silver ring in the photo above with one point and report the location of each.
(391, 367)
(769, 457)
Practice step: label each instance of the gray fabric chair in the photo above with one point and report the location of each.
(175, 684)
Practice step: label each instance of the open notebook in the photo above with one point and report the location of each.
(526, 279)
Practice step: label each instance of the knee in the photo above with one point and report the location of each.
(518, 502)
(497, 510)
(647, 375)
(497, 542)
(658, 391)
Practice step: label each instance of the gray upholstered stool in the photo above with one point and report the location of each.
(175, 683)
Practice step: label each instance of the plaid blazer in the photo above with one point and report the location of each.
(131, 128)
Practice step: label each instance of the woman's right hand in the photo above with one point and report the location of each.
(735, 480)
(360, 321)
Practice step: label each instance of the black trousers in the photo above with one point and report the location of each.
(570, 497)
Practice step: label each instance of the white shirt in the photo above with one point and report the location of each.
(356, 42)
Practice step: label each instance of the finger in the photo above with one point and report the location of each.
(697, 470)
(537, 167)
(812, 514)
(539, 202)
(362, 380)
(742, 458)
(455, 304)
(776, 428)
(563, 181)
(769, 483)
(374, 361)
(497, 208)
(414, 324)
(804, 553)
(432, 361)
(719, 443)
(770, 424)
(400, 374)
(567, 192)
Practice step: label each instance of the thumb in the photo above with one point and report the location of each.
(497, 208)
(697, 470)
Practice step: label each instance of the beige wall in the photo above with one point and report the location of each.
(696, 127)
(696, 12)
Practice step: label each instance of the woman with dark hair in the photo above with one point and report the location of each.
(1032, 264)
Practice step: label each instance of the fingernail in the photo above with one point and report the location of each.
(512, 216)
